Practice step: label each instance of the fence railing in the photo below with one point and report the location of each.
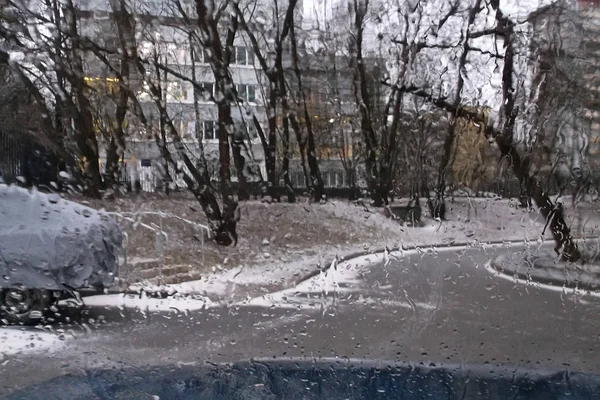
(11, 154)
(151, 179)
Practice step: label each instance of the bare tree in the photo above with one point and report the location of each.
(503, 129)
(364, 102)
(52, 66)
(273, 49)
(223, 222)
(409, 47)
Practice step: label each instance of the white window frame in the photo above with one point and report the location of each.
(243, 92)
(251, 130)
(248, 56)
(188, 130)
(177, 91)
(215, 130)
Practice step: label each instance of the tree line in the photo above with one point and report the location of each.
(398, 77)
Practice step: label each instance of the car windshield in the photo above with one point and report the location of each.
(400, 196)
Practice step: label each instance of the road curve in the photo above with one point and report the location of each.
(429, 306)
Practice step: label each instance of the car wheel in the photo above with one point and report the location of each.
(24, 306)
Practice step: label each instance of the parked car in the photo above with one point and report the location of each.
(50, 248)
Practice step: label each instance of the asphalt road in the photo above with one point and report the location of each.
(431, 307)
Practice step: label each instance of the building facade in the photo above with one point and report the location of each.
(161, 32)
(565, 80)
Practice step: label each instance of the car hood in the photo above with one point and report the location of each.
(48, 242)
(318, 379)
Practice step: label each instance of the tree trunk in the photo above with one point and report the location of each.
(88, 147)
(271, 149)
(271, 176)
(363, 102)
(227, 230)
(445, 164)
(313, 165)
(351, 181)
(285, 164)
(521, 166)
(116, 147)
(240, 164)
(316, 180)
(112, 164)
(301, 149)
(553, 213)
(83, 119)
(456, 102)
(224, 223)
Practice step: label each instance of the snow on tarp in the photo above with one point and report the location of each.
(48, 242)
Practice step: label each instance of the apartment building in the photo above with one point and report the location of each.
(590, 11)
(565, 80)
(159, 29)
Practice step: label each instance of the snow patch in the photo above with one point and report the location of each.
(17, 340)
(339, 280)
(175, 303)
(142, 260)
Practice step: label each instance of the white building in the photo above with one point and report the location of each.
(160, 28)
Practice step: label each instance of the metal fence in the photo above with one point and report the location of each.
(11, 156)
(152, 179)
(332, 178)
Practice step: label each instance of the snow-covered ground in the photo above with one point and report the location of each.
(470, 221)
(282, 243)
(19, 340)
(174, 303)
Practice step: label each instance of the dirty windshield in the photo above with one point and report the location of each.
(299, 199)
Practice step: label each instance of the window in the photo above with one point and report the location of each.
(207, 90)
(201, 55)
(146, 49)
(177, 124)
(252, 131)
(177, 91)
(144, 94)
(246, 130)
(187, 129)
(318, 95)
(183, 128)
(246, 93)
(173, 53)
(244, 56)
(111, 44)
(251, 89)
(190, 131)
(210, 130)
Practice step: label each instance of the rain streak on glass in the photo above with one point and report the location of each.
(340, 198)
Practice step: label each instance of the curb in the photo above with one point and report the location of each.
(574, 276)
(362, 253)
(349, 257)
(577, 282)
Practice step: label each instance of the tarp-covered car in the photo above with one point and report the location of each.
(50, 247)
